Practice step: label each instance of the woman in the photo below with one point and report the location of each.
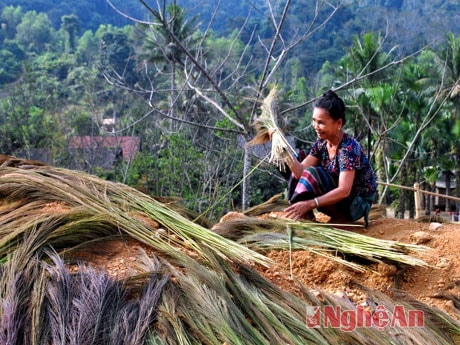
(335, 177)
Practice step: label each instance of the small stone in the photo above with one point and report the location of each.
(443, 263)
(450, 304)
(435, 226)
(421, 237)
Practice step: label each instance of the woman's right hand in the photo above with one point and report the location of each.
(299, 209)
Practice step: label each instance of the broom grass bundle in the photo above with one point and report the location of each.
(103, 206)
(266, 126)
(197, 287)
(322, 239)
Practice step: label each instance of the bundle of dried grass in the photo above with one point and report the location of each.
(267, 128)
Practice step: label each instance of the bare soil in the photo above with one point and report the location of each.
(436, 285)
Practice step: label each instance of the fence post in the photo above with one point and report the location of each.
(418, 201)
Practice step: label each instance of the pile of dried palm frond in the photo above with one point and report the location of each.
(197, 288)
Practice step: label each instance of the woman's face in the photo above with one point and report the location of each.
(324, 125)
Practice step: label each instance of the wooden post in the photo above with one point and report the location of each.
(418, 201)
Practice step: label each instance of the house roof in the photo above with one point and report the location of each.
(129, 145)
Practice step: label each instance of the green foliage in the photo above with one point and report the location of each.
(70, 25)
(91, 13)
(116, 55)
(34, 32)
(456, 129)
(54, 73)
(10, 67)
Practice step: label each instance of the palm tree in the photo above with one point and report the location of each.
(370, 99)
(449, 63)
(159, 45)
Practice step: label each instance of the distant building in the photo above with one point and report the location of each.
(101, 151)
(87, 152)
(441, 187)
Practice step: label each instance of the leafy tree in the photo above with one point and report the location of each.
(10, 66)
(11, 17)
(449, 64)
(34, 32)
(87, 49)
(70, 25)
(116, 55)
(26, 117)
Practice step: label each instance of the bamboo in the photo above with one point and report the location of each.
(421, 191)
(418, 201)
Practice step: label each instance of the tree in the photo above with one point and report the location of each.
(116, 56)
(86, 52)
(26, 116)
(11, 18)
(230, 89)
(70, 25)
(449, 65)
(34, 32)
(159, 47)
(10, 66)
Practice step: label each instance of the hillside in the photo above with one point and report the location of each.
(357, 17)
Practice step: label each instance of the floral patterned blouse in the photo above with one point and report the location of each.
(349, 156)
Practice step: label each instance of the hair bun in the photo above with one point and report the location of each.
(333, 104)
(330, 94)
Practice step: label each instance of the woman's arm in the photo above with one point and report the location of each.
(297, 167)
(294, 165)
(299, 209)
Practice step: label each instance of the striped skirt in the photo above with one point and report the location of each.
(315, 181)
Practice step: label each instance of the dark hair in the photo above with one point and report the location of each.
(333, 104)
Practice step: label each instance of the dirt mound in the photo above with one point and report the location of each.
(437, 285)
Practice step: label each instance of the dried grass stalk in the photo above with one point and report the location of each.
(281, 151)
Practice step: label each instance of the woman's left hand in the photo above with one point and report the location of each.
(298, 210)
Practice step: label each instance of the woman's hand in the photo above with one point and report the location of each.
(299, 209)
